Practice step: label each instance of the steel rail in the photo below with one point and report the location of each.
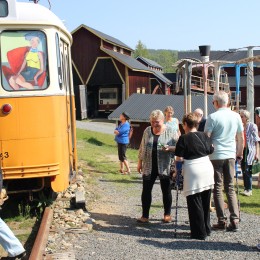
(39, 246)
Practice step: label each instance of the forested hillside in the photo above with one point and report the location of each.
(166, 58)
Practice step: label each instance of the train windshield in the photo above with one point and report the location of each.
(24, 60)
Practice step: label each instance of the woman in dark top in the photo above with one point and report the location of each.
(193, 149)
(155, 154)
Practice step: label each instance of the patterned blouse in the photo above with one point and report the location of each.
(251, 133)
(174, 124)
(168, 137)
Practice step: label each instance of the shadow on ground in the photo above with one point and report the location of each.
(149, 232)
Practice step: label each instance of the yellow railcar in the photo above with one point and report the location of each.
(37, 110)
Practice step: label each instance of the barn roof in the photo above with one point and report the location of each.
(150, 62)
(103, 36)
(134, 64)
(160, 75)
(139, 106)
(127, 60)
(217, 55)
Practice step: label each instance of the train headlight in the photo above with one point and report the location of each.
(6, 109)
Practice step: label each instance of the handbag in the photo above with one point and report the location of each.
(173, 176)
(256, 167)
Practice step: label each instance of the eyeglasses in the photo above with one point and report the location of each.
(155, 121)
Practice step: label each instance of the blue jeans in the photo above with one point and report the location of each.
(8, 240)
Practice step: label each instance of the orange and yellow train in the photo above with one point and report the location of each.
(37, 110)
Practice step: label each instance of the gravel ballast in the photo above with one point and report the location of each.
(117, 235)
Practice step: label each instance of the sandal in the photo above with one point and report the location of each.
(167, 219)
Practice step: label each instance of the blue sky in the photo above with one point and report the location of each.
(167, 24)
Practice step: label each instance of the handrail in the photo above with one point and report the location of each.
(197, 82)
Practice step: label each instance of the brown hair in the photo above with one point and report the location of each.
(191, 120)
(169, 109)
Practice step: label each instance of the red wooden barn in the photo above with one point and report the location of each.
(106, 74)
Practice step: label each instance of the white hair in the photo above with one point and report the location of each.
(245, 113)
(221, 97)
(156, 114)
(199, 112)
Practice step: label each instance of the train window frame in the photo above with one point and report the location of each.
(4, 6)
(59, 61)
(5, 81)
(65, 67)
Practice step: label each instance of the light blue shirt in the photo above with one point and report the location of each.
(223, 125)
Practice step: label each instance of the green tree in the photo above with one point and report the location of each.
(141, 50)
(166, 58)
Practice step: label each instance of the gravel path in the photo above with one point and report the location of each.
(101, 126)
(117, 235)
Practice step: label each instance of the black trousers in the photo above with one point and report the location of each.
(121, 148)
(199, 214)
(147, 194)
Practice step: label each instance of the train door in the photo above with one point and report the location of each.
(66, 82)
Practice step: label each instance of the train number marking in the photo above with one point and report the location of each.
(4, 155)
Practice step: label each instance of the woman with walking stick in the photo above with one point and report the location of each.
(193, 148)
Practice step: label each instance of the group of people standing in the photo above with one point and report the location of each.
(207, 153)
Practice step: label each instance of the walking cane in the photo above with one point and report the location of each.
(237, 188)
(178, 169)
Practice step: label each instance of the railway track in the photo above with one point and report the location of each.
(38, 250)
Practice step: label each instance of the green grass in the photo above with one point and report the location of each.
(250, 204)
(100, 152)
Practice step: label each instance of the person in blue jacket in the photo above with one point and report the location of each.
(122, 139)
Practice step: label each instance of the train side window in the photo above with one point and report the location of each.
(3, 8)
(24, 60)
(65, 64)
(59, 61)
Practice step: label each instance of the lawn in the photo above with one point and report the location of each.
(99, 151)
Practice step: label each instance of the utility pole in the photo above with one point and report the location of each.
(217, 72)
(184, 80)
(237, 67)
(204, 53)
(250, 84)
(188, 68)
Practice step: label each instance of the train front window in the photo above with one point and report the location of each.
(24, 60)
(3, 8)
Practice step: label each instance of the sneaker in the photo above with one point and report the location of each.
(143, 220)
(21, 256)
(221, 225)
(247, 193)
(233, 226)
(167, 219)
